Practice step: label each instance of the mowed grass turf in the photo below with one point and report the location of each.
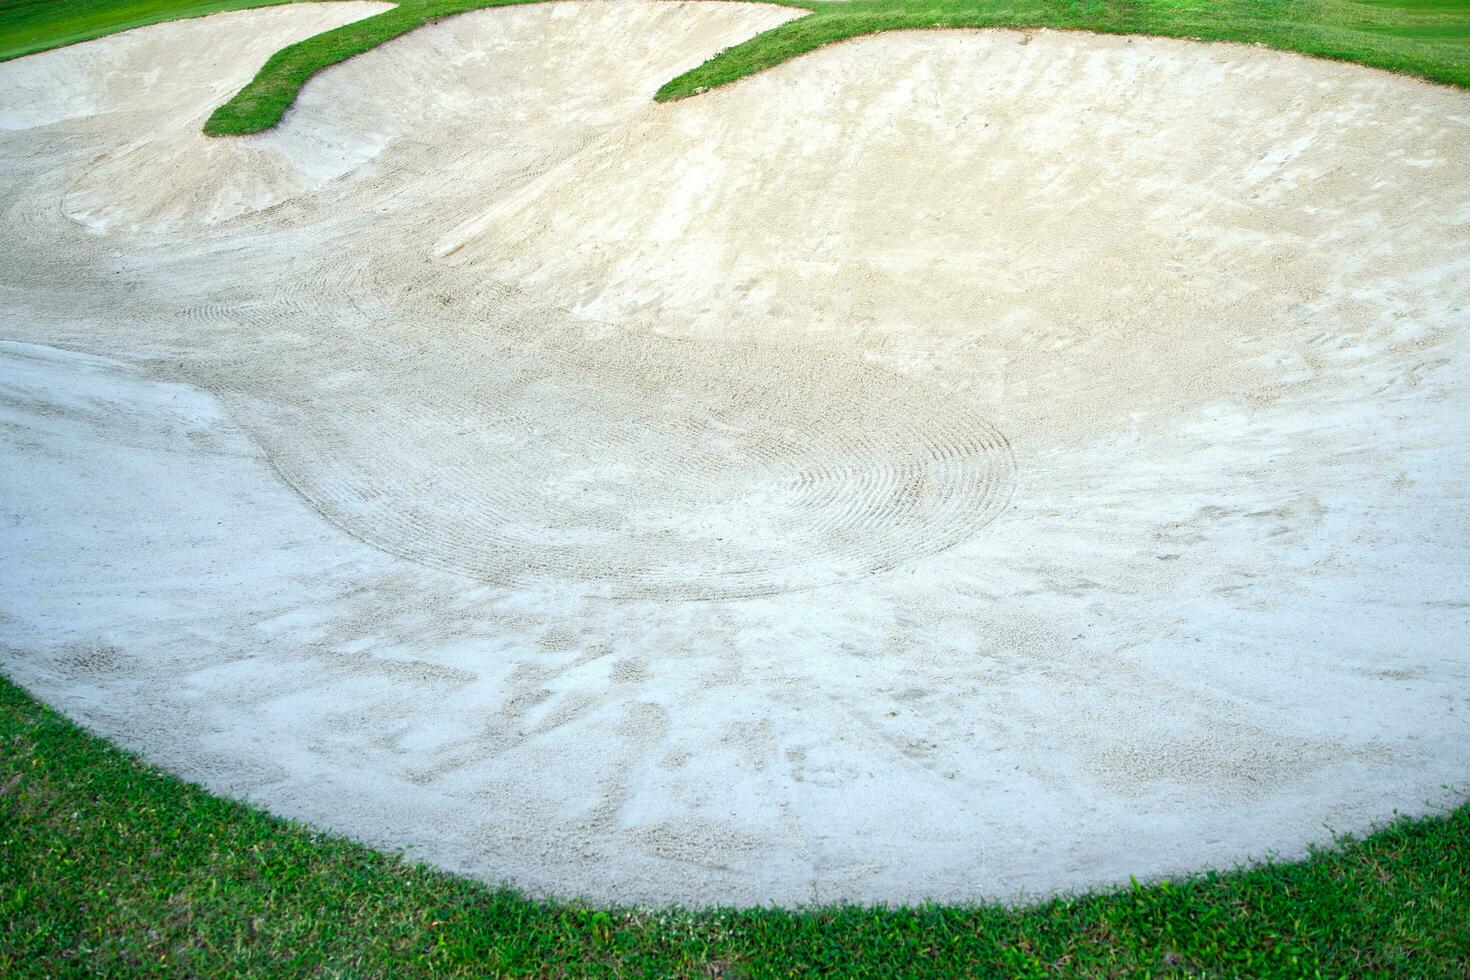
(1429, 38)
(108, 865)
(28, 26)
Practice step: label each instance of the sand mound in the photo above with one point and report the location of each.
(577, 70)
(946, 465)
(1079, 199)
(150, 92)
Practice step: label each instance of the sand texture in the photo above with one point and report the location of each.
(948, 465)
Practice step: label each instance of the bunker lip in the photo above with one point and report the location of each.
(939, 467)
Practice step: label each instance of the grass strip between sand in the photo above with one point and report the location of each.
(1419, 37)
(108, 865)
(1428, 38)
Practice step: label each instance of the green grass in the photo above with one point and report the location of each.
(1428, 38)
(108, 865)
(1423, 38)
(29, 26)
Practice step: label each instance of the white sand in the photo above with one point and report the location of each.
(948, 465)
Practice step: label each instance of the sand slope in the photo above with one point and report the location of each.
(951, 464)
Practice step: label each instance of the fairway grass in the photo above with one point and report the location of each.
(31, 26)
(109, 865)
(1428, 38)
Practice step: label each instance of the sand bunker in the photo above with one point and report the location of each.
(948, 465)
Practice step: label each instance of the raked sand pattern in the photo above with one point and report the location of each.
(948, 465)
